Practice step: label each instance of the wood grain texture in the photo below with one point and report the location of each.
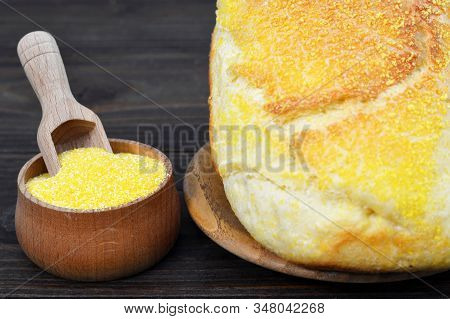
(104, 244)
(65, 124)
(161, 48)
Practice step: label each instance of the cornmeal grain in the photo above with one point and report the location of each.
(92, 178)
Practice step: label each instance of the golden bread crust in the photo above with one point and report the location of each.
(369, 81)
(289, 50)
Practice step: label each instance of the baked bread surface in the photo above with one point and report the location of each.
(330, 128)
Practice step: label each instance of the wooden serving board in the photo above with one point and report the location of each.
(211, 211)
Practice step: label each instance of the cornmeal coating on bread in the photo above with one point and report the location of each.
(347, 162)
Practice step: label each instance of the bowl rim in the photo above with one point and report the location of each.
(21, 184)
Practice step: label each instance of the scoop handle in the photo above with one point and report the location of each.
(43, 65)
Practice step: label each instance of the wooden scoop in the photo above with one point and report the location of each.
(65, 124)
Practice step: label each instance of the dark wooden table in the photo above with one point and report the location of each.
(143, 68)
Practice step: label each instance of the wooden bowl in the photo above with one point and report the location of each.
(98, 245)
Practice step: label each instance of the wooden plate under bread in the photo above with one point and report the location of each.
(210, 210)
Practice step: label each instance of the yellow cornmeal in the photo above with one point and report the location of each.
(92, 178)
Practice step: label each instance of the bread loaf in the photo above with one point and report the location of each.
(330, 129)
